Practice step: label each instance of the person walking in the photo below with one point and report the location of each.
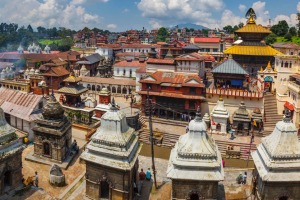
(148, 174)
(36, 179)
(223, 162)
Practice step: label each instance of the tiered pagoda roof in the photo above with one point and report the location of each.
(277, 158)
(195, 155)
(72, 87)
(114, 144)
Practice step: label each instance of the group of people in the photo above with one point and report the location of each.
(242, 178)
(142, 177)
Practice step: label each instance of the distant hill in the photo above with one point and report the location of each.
(190, 25)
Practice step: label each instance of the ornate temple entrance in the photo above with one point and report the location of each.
(268, 80)
(7, 178)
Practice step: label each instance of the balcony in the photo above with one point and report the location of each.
(234, 93)
(292, 85)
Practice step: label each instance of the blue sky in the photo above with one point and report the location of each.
(120, 15)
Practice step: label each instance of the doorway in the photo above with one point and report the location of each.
(104, 190)
(46, 147)
(7, 179)
(194, 196)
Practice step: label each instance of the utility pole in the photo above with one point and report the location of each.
(149, 105)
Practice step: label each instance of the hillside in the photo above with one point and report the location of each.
(193, 26)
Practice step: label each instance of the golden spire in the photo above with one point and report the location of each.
(251, 20)
(261, 69)
(220, 98)
(269, 65)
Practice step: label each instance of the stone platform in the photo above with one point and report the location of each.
(64, 165)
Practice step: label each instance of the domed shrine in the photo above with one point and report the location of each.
(111, 158)
(277, 163)
(11, 148)
(195, 164)
(52, 133)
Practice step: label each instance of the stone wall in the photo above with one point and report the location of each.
(269, 190)
(181, 189)
(118, 180)
(13, 165)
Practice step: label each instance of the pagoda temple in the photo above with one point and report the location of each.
(71, 91)
(195, 164)
(10, 157)
(111, 158)
(277, 163)
(252, 52)
(220, 117)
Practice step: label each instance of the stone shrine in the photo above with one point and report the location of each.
(277, 163)
(111, 158)
(241, 119)
(52, 133)
(195, 164)
(11, 148)
(220, 117)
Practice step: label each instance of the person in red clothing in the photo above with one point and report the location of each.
(142, 177)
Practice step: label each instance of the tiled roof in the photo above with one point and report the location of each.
(109, 81)
(141, 70)
(123, 54)
(286, 45)
(111, 46)
(18, 104)
(253, 28)
(134, 63)
(206, 40)
(175, 79)
(252, 50)
(70, 89)
(161, 61)
(230, 66)
(191, 46)
(56, 71)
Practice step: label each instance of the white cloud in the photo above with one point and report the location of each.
(125, 10)
(155, 24)
(228, 18)
(242, 8)
(111, 26)
(48, 13)
(298, 7)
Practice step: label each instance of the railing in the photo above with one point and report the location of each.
(235, 93)
(294, 86)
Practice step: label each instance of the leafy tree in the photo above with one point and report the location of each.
(298, 25)
(228, 29)
(281, 28)
(162, 34)
(288, 37)
(29, 28)
(270, 39)
(235, 28)
(241, 24)
(293, 31)
(205, 32)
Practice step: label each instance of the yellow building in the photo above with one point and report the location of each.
(252, 52)
(23, 86)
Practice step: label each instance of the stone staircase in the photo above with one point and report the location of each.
(169, 140)
(271, 116)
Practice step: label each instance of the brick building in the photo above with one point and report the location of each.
(173, 93)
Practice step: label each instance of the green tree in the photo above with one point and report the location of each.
(241, 24)
(270, 39)
(288, 36)
(162, 34)
(298, 24)
(228, 29)
(281, 28)
(29, 28)
(293, 31)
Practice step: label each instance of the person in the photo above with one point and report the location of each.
(36, 180)
(142, 177)
(239, 179)
(245, 178)
(187, 129)
(148, 174)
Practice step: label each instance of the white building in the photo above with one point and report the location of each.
(127, 68)
(191, 63)
(137, 48)
(108, 50)
(220, 117)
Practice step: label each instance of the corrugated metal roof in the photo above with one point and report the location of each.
(18, 104)
(230, 66)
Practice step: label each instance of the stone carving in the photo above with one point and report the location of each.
(57, 177)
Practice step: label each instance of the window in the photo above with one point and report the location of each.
(118, 70)
(215, 50)
(192, 90)
(177, 88)
(290, 64)
(286, 64)
(40, 105)
(207, 50)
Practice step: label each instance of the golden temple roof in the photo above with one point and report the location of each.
(252, 27)
(72, 79)
(252, 50)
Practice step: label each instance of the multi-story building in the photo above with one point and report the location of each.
(136, 48)
(108, 51)
(127, 68)
(173, 93)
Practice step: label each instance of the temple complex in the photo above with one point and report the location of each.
(241, 119)
(267, 78)
(277, 163)
(111, 158)
(252, 52)
(52, 134)
(195, 164)
(10, 157)
(220, 117)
